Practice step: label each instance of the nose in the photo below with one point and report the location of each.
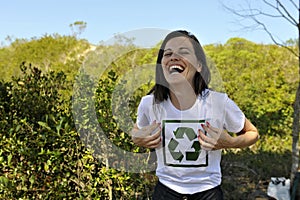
(175, 56)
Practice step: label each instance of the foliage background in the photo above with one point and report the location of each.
(44, 156)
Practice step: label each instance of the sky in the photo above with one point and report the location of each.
(207, 19)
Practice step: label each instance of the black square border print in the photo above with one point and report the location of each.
(165, 147)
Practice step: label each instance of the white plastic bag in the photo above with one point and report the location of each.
(279, 188)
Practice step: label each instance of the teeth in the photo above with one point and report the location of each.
(176, 68)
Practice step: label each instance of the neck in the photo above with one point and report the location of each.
(183, 99)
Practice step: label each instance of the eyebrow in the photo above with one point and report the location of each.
(181, 48)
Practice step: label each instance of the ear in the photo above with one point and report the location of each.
(199, 68)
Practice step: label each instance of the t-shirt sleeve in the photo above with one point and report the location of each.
(142, 113)
(234, 117)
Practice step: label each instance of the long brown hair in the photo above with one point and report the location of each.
(201, 79)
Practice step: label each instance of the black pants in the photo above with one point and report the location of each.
(162, 192)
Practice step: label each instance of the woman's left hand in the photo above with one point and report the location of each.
(221, 139)
(215, 138)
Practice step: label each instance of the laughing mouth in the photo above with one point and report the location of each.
(176, 69)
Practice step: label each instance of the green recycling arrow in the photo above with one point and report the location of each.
(172, 146)
(179, 132)
(194, 155)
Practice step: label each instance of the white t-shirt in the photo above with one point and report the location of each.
(181, 163)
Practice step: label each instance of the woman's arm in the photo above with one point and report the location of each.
(248, 136)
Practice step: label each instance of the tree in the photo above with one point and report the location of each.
(278, 10)
(78, 27)
(50, 52)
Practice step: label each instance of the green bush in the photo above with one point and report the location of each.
(43, 156)
(104, 119)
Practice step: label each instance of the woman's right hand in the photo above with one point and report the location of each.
(145, 137)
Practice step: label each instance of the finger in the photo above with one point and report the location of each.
(145, 131)
(212, 131)
(151, 127)
(206, 138)
(151, 141)
(154, 143)
(156, 134)
(201, 137)
(207, 146)
(206, 143)
(148, 142)
(139, 141)
(155, 139)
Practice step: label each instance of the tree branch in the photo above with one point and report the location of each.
(273, 39)
(254, 14)
(288, 15)
(293, 3)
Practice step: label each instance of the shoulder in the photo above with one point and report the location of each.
(218, 99)
(211, 94)
(146, 102)
(148, 99)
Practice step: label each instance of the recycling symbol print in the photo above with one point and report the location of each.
(181, 145)
(191, 135)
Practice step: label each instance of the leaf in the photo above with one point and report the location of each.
(46, 167)
(4, 181)
(32, 179)
(9, 157)
(45, 125)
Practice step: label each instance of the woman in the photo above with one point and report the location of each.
(187, 123)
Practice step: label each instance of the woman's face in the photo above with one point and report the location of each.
(179, 61)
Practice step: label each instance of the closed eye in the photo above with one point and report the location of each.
(184, 52)
(167, 54)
